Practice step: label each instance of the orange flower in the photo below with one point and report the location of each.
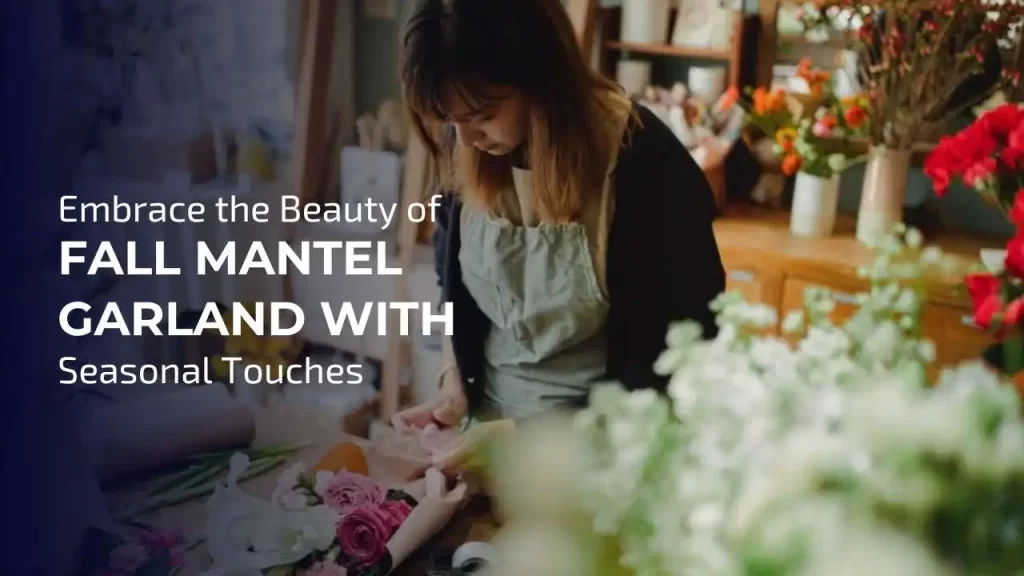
(855, 116)
(791, 164)
(729, 98)
(785, 137)
(768, 103)
(760, 97)
(829, 120)
(803, 69)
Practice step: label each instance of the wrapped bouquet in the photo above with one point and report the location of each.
(831, 456)
(324, 523)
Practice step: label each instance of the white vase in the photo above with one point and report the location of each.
(645, 21)
(815, 202)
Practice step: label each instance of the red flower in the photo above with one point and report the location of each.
(1016, 138)
(1013, 154)
(1017, 212)
(791, 164)
(855, 116)
(984, 291)
(1001, 121)
(1014, 312)
(979, 172)
(1015, 256)
(1013, 158)
(364, 534)
(955, 155)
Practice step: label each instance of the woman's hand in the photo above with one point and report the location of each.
(429, 517)
(445, 411)
(456, 456)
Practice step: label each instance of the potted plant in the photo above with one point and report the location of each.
(812, 136)
(921, 63)
(988, 156)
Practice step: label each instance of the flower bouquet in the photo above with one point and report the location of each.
(325, 523)
(988, 156)
(830, 457)
(343, 519)
(922, 63)
(812, 135)
(922, 60)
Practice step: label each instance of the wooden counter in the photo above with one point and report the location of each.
(769, 265)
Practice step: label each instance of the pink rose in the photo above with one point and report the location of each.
(364, 534)
(821, 130)
(127, 558)
(397, 510)
(325, 569)
(348, 491)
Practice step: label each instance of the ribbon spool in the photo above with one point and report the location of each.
(473, 557)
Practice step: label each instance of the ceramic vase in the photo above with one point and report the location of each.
(815, 203)
(645, 21)
(883, 194)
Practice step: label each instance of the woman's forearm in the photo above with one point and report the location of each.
(449, 365)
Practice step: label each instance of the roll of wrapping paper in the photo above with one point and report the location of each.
(147, 434)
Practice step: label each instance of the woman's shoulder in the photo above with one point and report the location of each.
(646, 133)
(649, 147)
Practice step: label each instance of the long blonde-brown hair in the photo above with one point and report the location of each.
(478, 50)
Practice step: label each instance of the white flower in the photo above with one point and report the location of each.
(322, 482)
(245, 534)
(790, 453)
(289, 478)
(794, 322)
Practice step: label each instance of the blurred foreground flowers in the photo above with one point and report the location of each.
(833, 456)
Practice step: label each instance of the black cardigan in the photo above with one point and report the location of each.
(662, 263)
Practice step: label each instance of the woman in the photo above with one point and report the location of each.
(577, 227)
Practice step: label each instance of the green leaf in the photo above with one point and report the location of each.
(1006, 356)
(179, 477)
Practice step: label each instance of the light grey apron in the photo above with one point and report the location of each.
(538, 286)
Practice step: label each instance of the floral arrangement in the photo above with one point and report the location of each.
(832, 456)
(812, 131)
(917, 55)
(988, 156)
(141, 552)
(328, 523)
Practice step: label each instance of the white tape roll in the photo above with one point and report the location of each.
(474, 551)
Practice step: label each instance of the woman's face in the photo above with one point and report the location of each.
(497, 128)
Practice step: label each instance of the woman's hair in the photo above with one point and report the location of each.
(478, 50)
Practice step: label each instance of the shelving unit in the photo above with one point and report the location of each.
(739, 56)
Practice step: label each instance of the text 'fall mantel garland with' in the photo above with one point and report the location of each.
(278, 258)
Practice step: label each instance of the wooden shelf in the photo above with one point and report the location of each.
(669, 50)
